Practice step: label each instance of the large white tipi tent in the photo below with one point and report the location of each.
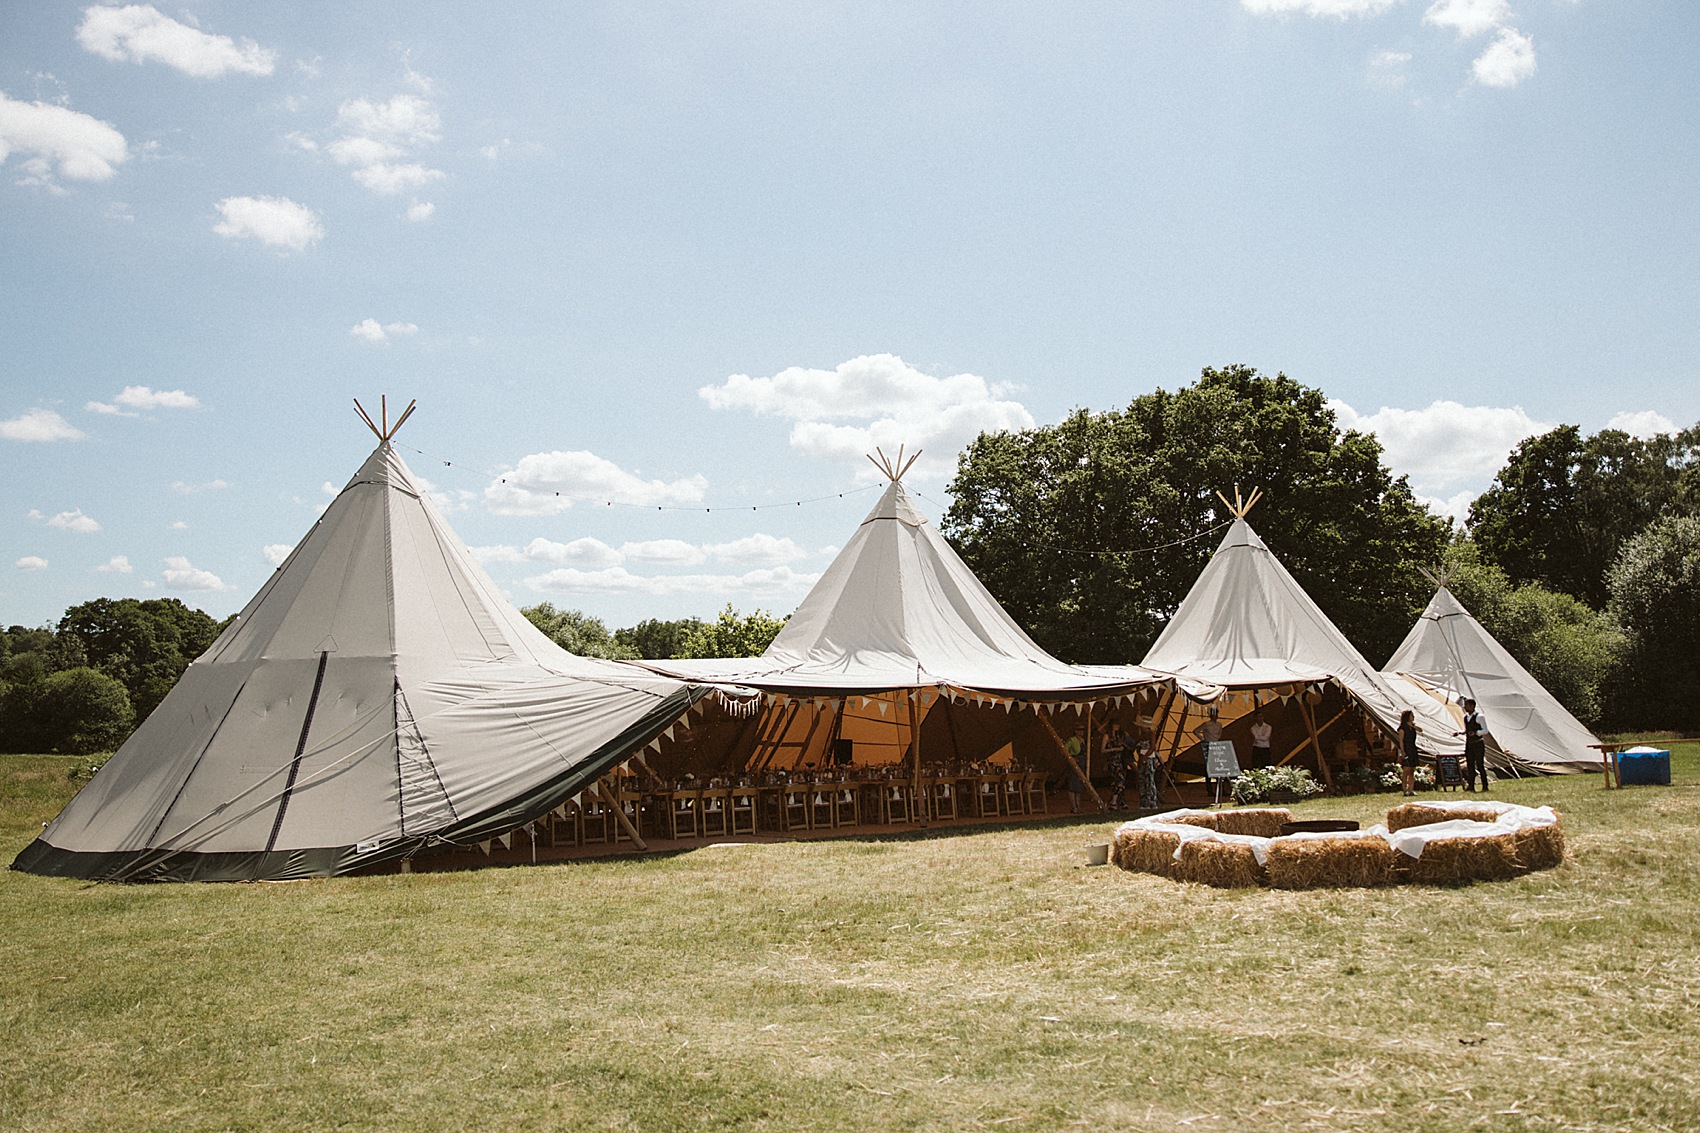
(376, 698)
(898, 608)
(901, 656)
(1449, 656)
(1247, 624)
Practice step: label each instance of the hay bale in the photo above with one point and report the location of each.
(1456, 861)
(1205, 819)
(1145, 851)
(1330, 863)
(1422, 814)
(1262, 822)
(1539, 847)
(1224, 865)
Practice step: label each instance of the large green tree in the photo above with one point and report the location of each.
(1092, 530)
(576, 631)
(656, 640)
(1655, 594)
(145, 645)
(1564, 504)
(732, 634)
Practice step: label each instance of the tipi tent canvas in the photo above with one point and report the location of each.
(376, 698)
(1449, 656)
(1247, 624)
(901, 651)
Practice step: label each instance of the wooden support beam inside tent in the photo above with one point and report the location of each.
(1058, 740)
(1316, 740)
(1304, 743)
(1175, 746)
(611, 800)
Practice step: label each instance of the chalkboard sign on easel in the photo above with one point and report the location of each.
(1220, 764)
(1448, 774)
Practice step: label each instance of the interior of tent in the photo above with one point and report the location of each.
(1316, 725)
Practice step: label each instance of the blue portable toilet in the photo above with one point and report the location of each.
(1643, 766)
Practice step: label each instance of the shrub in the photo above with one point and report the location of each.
(1259, 783)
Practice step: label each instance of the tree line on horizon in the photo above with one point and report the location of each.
(1582, 558)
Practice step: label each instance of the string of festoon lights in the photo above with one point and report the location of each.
(502, 478)
(602, 501)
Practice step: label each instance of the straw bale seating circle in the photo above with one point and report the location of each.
(1438, 843)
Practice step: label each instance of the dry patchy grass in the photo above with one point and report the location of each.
(948, 982)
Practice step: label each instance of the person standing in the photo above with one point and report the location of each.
(1075, 745)
(1408, 751)
(1475, 747)
(1261, 732)
(1150, 798)
(1115, 754)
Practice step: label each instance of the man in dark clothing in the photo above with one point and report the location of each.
(1475, 750)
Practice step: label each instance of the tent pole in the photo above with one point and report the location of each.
(1174, 748)
(1316, 740)
(919, 801)
(950, 726)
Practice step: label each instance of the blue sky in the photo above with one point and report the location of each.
(696, 259)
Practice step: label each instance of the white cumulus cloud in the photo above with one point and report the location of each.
(584, 552)
(546, 482)
(275, 553)
(1643, 423)
(666, 552)
(876, 400)
(276, 222)
(68, 521)
(117, 564)
(1340, 9)
(56, 140)
(379, 142)
(31, 562)
(140, 32)
(1446, 449)
(1469, 18)
(39, 425)
(180, 574)
(768, 582)
(184, 488)
(757, 548)
(1390, 69)
(132, 399)
(1508, 60)
(371, 330)
(420, 211)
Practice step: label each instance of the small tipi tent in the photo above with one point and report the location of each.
(1247, 624)
(377, 697)
(1448, 656)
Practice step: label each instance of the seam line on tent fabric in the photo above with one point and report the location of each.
(502, 479)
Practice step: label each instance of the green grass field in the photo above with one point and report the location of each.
(979, 980)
